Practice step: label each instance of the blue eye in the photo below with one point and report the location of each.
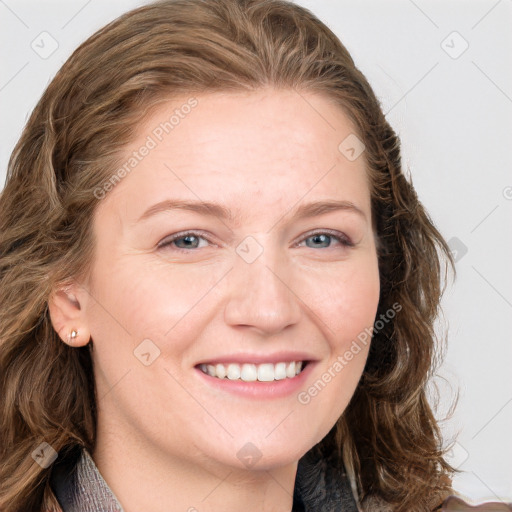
(183, 241)
(324, 239)
(189, 242)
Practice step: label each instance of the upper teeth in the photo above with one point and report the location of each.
(265, 372)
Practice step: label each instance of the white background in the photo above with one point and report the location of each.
(453, 112)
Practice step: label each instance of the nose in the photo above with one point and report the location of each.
(261, 295)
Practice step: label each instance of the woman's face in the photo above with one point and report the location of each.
(263, 278)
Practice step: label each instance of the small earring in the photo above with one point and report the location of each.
(72, 335)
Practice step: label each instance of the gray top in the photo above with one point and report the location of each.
(79, 486)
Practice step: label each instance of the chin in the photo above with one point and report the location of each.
(265, 455)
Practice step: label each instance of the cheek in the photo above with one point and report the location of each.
(345, 305)
(140, 299)
(346, 301)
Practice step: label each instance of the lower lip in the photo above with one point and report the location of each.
(259, 390)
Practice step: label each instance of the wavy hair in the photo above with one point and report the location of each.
(388, 437)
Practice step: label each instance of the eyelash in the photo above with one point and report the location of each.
(340, 237)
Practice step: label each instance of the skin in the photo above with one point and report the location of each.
(165, 439)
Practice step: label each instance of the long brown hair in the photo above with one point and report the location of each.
(388, 436)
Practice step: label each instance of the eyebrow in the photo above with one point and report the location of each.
(217, 210)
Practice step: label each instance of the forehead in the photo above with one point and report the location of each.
(269, 146)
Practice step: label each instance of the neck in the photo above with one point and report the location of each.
(143, 478)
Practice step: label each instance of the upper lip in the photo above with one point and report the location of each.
(246, 358)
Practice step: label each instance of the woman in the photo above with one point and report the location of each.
(218, 287)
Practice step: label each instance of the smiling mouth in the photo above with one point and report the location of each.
(265, 372)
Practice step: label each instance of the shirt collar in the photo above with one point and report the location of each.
(79, 486)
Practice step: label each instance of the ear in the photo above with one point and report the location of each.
(67, 315)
